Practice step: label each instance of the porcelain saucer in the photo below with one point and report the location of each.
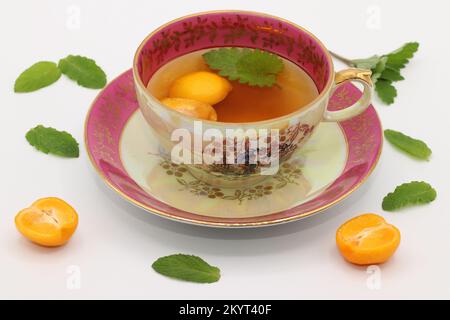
(335, 162)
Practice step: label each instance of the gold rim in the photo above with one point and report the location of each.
(303, 110)
(219, 224)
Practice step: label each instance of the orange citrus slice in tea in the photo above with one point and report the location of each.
(202, 86)
(193, 108)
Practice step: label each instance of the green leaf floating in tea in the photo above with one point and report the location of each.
(250, 66)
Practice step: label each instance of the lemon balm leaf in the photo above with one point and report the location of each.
(84, 71)
(50, 140)
(409, 194)
(385, 69)
(379, 69)
(187, 267)
(414, 147)
(39, 75)
(259, 68)
(391, 74)
(250, 66)
(224, 60)
(400, 57)
(397, 59)
(369, 63)
(386, 91)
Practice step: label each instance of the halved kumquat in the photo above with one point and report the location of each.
(48, 222)
(202, 86)
(367, 239)
(193, 108)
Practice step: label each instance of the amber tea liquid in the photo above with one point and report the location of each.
(244, 103)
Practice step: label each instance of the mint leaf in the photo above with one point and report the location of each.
(385, 69)
(400, 57)
(369, 63)
(84, 71)
(414, 147)
(378, 71)
(251, 66)
(386, 91)
(397, 59)
(49, 140)
(39, 75)
(186, 267)
(225, 60)
(259, 68)
(409, 194)
(391, 74)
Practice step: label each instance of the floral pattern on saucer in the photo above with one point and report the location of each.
(288, 174)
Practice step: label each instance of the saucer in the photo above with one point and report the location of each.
(336, 160)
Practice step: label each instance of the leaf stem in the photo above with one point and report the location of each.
(342, 59)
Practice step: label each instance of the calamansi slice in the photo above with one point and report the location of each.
(203, 86)
(193, 108)
(367, 239)
(49, 222)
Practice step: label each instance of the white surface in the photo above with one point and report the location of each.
(116, 242)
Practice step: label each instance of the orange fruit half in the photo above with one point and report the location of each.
(48, 222)
(203, 86)
(367, 239)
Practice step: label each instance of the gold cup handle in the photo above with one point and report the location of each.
(358, 75)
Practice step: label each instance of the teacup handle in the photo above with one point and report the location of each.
(353, 74)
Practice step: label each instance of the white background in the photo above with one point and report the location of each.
(116, 243)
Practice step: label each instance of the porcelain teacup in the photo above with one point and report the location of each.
(251, 30)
